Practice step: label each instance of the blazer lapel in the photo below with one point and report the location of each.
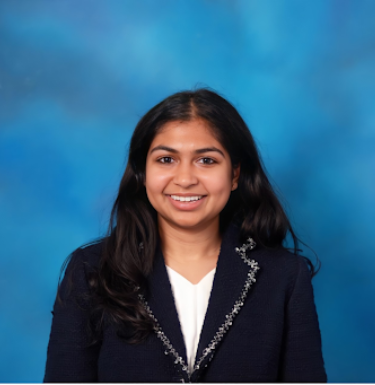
(235, 273)
(161, 307)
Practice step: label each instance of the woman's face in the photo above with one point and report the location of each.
(189, 175)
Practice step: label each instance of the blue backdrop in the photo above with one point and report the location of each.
(75, 77)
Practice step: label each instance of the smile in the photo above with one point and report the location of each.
(186, 199)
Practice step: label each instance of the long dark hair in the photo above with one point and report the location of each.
(129, 248)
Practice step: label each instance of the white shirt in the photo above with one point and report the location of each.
(191, 303)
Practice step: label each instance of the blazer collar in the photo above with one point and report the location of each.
(234, 271)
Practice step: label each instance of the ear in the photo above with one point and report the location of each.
(235, 176)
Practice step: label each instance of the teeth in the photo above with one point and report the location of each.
(186, 199)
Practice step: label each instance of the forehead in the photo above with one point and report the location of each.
(194, 134)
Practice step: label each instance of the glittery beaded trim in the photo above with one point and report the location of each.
(210, 349)
(161, 335)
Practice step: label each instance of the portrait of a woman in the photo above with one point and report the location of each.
(194, 281)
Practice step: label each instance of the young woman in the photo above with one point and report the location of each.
(193, 282)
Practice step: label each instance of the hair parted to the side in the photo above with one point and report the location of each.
(132, 237)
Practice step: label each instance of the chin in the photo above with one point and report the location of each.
(185, 223)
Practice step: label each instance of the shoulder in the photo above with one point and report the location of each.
(276, 266)
(281, 260)
(87, 256)
(282, 268)
(79, 266)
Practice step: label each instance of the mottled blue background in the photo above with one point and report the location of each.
(75, 77)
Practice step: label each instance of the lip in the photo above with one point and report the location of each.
(186, 206)
(186, 194)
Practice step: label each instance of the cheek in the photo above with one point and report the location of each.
(220, 182)
(155, 181)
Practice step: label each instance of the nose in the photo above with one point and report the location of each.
(185, 176)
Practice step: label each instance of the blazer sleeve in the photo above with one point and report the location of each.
(302, 359)
(70, 356)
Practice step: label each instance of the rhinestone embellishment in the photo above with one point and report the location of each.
(250, 245)
(169, 349)
(210, 349)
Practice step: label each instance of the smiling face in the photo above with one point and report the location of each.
(189, 175)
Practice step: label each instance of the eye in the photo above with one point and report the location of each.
(207, 161)
(165, 159)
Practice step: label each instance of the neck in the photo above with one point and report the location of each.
(188, 246)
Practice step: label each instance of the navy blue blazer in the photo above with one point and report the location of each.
(261, 325)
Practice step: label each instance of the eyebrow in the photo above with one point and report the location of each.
(199, 151)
